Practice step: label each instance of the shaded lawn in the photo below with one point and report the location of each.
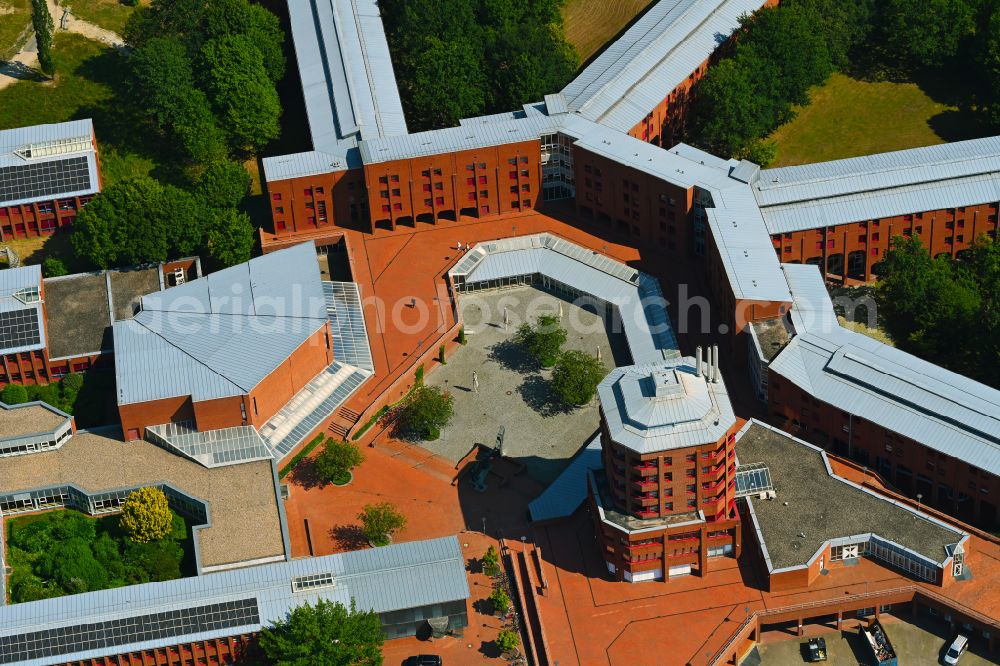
(89, 84)
(848, 117)
(15, 15)
(590, 24)
(108, 14)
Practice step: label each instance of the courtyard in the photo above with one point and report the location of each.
(513, 393)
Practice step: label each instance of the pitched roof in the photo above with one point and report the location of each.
(22, 325)
(67, 150)
(195, 339)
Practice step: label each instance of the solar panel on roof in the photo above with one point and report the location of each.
(125, 631)
(19, 328)
(44, 179)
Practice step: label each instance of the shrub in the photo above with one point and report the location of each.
(491, 562)
(53, 267)
(461, 336)
(327, 633)
(14, 394)
(576, 377)
(336, 460)
(297, 458)
(418, 376)
(380, 521)
(428, 410)
(146, 516)
(507, 640)
(543, 341)
(441, 359)
(500, 600)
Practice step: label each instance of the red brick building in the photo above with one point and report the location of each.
(665, 503)
(47, 173)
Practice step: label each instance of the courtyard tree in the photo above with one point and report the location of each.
(14, 394)
(380, 521)
(500, 600)
(146, 516)
(507, 640)
(42, 23)
(543, 341)
(576, 377)
(336, 460)
(925, 34)
(325, 633)
(230, 237)
(491, 561)
(427, 411)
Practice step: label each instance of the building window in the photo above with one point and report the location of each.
(274, 197)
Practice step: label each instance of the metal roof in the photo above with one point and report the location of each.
(898, 391)
(313, 162)
(654, 56)
(347, 76)
(398, 577)
(194, 339)
(15, 285)
(667, 405)
(19, 138)
(635, 295)
(564, 496)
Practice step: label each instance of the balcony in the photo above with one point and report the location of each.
(646, 513)
(713, 488)
(647, 499)
(645, 469)
(645, 483)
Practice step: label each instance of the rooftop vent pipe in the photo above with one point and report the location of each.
(697, 362)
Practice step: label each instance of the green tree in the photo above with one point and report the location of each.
(122, 224)
(184, 227)
(500, 600)
(161, 78)
(53, 267)
(427, 411)
(576, 376)
(989, 60)
(380, 521)
(327, 633)
(14, 394)
(196, 130)
(491, 562)
(447, 84)
(243, 96)
(507, 640)
(42, 23)
(231, 237)
(146, 515)
(241, 17)
(925, 34)
(336, 460)
(224, 184)
(71, 564)
(543, 341)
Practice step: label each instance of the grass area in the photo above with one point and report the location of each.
(62, 552)
(590, 24)
(298, 457)
(859, 327)
(847, 117)
(108, 14)
(15, 15)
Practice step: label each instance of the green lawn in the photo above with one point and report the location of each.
(108, 14)
(15, 15)
(847, 117)
(591, 24)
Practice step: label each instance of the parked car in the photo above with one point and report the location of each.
(815, 650)
(956, 650)
(423, 660)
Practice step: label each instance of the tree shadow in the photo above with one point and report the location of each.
(483, 607)
(536, 391)
(348, 537)
(512, 356)
(475, 565)
(489, 649)
(20, 71)
(306, 475)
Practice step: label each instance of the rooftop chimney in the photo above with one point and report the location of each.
(697, 362)
(715, 364)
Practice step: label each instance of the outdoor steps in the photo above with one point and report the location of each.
(338, 430)
(523, 589)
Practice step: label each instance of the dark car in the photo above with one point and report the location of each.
(423, 660)
(816, 649)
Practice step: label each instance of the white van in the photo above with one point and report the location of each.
(956, 650)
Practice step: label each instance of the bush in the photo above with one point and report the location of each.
(380, 521)
(14, 394)
(576, 377)
(53, 267)
(224, 184)
(507, 640)
(327, 633)
(146, 516)
(297, 458)
(491, 562)
(500, 600)
(428, 410)
(336, 460)
(543, 341)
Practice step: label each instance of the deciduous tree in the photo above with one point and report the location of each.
(336, 460)
(231, 237)
(576, 377)
(224, 184)
(380, 521)
(427, 411)
(146, 515)
(543, 341)
(326, 633)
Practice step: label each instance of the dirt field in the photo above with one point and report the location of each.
(590, 24)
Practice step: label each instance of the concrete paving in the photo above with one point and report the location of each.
(513, 392)
(922, 643)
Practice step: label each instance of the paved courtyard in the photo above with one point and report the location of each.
(922, 643)
(513, 393)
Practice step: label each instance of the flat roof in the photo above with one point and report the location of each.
(29, 419)
(67, 147)
(128, 286)
(813, 502)
(413, 575)
(938, 408)
(242, 499)
(771, 335)
(78, 315)
(663, 406)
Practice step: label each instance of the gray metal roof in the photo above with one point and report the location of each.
(397, 577)
(654, 56)
(814, 507)
(15, 286)
(18, 139)
(565, 495)
(881, 384)
(347, 76)
(662, 406)
(195, 339)
(347, 325)
(635, 295)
